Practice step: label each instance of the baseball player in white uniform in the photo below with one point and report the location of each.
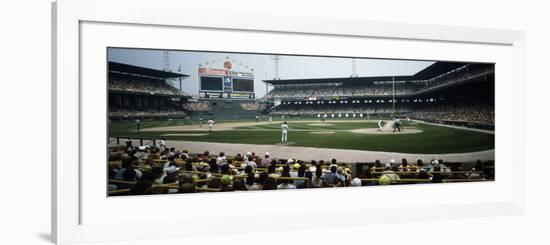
(210, 125)
(284, 131)
(397, 125)
(380, 122)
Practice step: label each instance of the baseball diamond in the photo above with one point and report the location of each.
(215, 122)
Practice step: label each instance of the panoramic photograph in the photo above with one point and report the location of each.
(182, 121)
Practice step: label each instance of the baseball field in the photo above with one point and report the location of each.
(352, 134)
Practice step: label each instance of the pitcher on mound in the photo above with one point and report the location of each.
(284, 132)
(210, 125)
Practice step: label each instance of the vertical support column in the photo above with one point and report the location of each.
(393, 96)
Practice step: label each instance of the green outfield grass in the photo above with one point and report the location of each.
(432, 140)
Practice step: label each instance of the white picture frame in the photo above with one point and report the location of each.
(69, 199)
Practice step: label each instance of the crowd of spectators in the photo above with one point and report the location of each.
(471, 113)
(329, 110)
(122, 113)
(460, 74)
(159, 169)
(253, 106)
(480, 112)
(341, 90)
(144, 86)
(385, 88)
(197, 106)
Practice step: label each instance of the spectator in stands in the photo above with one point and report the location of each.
(270, 184)
(266, 161)
(301, 174)
(312, 166)
(188, 166)
(331, 179)
(341, 175)
(225, 183)
(423, 174)
(262, 178)
(221, 158)
(404, 164)
(430, 165)
(419, 164)
(239, 184)
(248, 169)
(224, 169)
(391, 171)
(479, 165)
(309, 182)
(436, 175)
(213, 166)
(158, 175)
(271, 171)
(356, 182)
(170, 178)
(378, 166)
(239, 157)
(214, 183)
(251, 182)
(170, 166)
(474, 174)
(286, 183)
(141, 188)
(251, 162)
(127, 164)
(187, 188)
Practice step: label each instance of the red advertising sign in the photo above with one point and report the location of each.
(207, 71)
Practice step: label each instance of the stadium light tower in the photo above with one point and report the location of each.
(166, 60)
(276, 59)
(393, 95)
(354, 67)
(179, 71)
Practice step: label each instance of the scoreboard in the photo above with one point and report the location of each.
(225, 84)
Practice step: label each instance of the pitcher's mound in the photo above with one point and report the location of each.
(375, 131)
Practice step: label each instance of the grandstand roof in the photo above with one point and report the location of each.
(437, 69)
(120, 68)
(431, 71)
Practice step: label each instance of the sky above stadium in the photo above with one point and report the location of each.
(290, 67)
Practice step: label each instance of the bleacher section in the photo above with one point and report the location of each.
(454, 93)
(143, 93)
(164, 170)
(227, 109)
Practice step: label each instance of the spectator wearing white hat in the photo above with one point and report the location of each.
(429, 166)
(390, 171)
(433, 165)
(392, 162)
(266, 161)
(246, 155)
